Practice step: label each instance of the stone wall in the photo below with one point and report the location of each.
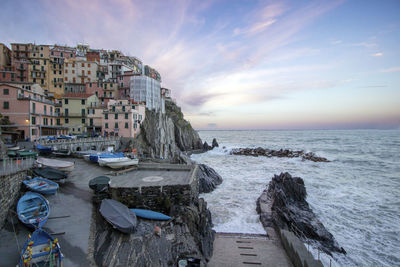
(160, 198)
(74, 145)
(10, 186)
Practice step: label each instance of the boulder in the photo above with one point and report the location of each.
(259, 151)
(214, 143)
(284, 205)
(208, 179)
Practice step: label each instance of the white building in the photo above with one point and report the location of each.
(146, 89)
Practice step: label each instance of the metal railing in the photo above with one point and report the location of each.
(300, 233)
(79, 140)
(10, 166)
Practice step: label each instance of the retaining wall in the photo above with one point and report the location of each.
(10, 186)
(296, 250)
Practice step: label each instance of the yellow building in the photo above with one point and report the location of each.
(39, 62)
(74, 110)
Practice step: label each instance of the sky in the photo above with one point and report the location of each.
(242, 64)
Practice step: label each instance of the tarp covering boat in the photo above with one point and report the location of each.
(50, 173)
(100, 183)
(41, 249)
(118, 215)
(33, 210)
(41, 185)
(57, 164)
(44, 150)
(95, 157)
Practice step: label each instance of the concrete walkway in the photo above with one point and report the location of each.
(231, 249)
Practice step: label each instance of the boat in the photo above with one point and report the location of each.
(99, 184)
(33, 210)
(41, 185)
(50, 173)
(118, 215)
(56, 163)
(61, 152)
(151, 215)
(122, 164)
(41, 249)
(95, 157)
(43, 150)
(104, 161)
(13, 148)
(64, 137)
(22, 154)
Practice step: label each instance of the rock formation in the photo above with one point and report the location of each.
(189, 234)
(284, 205)
(282, 153)
(208, 179)
(165, 136)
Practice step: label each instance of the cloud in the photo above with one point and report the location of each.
(364, 44)
(212, 125)
(379, 54)
(336, 42)
(393, 69)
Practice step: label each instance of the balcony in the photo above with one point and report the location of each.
(26, 97)
(72, 115)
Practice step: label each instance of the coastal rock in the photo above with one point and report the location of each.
(284, 205)
(282, 153)
(189, 234)
(214, 143)
(208, 179)
(206, 146)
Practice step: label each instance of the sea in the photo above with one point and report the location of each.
(356, 195)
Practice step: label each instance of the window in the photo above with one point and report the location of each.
(41, 48)
(71, 55)
(135, 116)
(58, 121)
(91, 121)
(88, 72)
(66, 101)
(59, 72)
(140, 117)
(42, 81)
(66, 111)
(106, 116)
(83, 120)
(73, 71)
(116, 125)
(116, 116)
(90, 85)
(83, 64)
(126, 116)
(51, 110)
(66, 120)
(44, 109)
(123, 108)
(66, 71)
(6, 91)
(33, 107)
(83, 112)
(52, 53)
(45, 61)
(126, 125)
(33, 120)
(66, 79)
(6, 105)
(62, 55)
(54, 72)
(51, 122)
(106, 125)
(66, 64)
(135, 125)
(83, 101)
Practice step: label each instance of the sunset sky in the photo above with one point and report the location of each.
(242, 64)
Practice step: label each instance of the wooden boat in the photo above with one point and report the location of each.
(118, 215)
(33, 210)
(104, 161)
(50, 173)
(57, 164)
(43, 150)
(41, 185)
(41, 249)
(151, 215)
(122, 164)
(99, 184)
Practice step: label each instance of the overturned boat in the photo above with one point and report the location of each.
(56, 163)
(50, 173)
(118, 215)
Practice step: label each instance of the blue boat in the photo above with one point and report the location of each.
(65, 137)
(151, 215)
(43, 150)
(95, 157)
(41, 249)
(33, 210)
(41, 185)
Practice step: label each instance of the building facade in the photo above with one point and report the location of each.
(147, 90)
(122, 118)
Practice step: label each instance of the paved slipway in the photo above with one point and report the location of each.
(74, 199)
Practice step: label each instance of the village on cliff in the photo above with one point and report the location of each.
(53, 90)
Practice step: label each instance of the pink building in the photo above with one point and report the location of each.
(124, 85)
(95, 88)
(123, 118)
(27, 107)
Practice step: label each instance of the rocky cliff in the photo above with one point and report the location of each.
(165, 136)
(283, 204)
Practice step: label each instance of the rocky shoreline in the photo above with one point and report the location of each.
(282, 153)
(283, 205)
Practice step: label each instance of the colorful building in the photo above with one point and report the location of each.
(123, 118)
(80, 71)
(74, 110)
(27, 107)
(39, 63)
(20, 60)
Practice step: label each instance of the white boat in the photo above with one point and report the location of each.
(104, 161)
(61, 165)
(13, 148)
(122, 164)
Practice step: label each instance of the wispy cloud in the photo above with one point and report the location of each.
(379, 54)
(392, 69)
(364, 44)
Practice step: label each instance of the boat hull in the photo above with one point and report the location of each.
(123, 164)
(104, 161)
(57, 164)
(41, 185)
(151, 215)
(50, 173)
(33, 210)
(118, 215)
